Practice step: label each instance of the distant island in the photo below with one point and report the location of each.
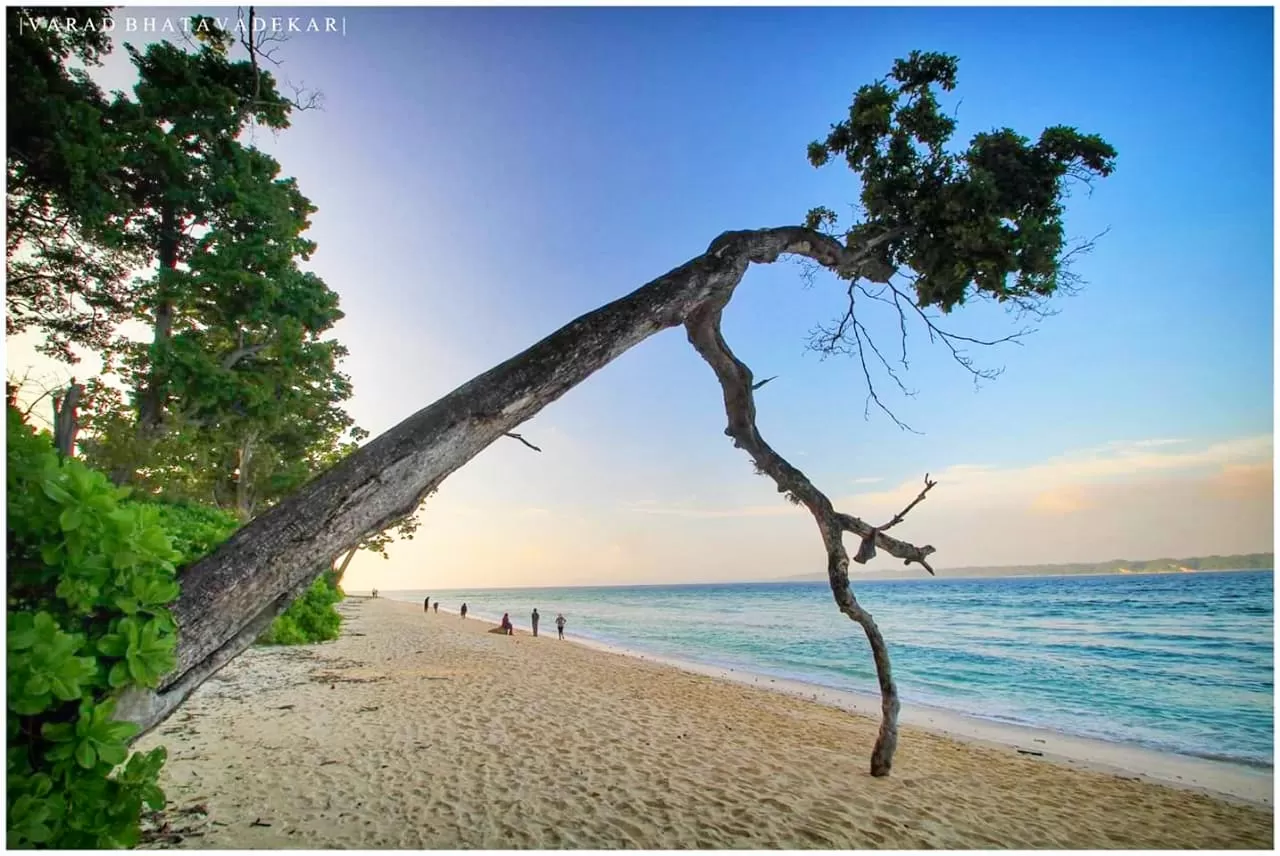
(1245, 562)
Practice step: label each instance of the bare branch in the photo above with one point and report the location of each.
(240, 353)
(950, 339)
(32, 406)
(901, 515)
(48, 386)
(763, 382)
(515, 436)
(305, 99)
(703, 326)
(247, 41)
(262, 47)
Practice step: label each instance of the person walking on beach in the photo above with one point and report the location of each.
(506, 624)
(560, 624)
(464, 610)
(375, 592)
(436, 607)
(426, 604)
(535, 621)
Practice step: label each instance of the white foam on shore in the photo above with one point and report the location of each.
(1219, 778)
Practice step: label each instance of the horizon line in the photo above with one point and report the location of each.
(865, 578)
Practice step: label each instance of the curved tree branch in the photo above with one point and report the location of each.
(230, 360)
(229, 592)
(736, 381)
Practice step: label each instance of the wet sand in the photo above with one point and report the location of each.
(425, 731)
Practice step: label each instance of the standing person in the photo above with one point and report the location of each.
(464, 610)
(436, 607)
(426, 604)
(535, 621)
(375, 592)
(560, 624)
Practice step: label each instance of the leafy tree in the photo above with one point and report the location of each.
(942, 226)
(67, 250)
(237, 361)
(249, 378)
(184, 170)
(983, 221)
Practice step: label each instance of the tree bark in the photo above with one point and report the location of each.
(342, 568)
(244, 480)
(229, 593)
(65, 419)
(739, 390)
(151, 402)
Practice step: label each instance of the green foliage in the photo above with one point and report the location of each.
(90, 577)
(67, 251)
(310, 618)
(238, 395)
(194, 529)
(241, 377)
(986, 220)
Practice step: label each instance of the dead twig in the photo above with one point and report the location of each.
(515, 436)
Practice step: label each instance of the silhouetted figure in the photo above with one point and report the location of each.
(506, 624)
(464, 610)
(426, 604)
(375, 592)
(560, 625)
(436, 607)
(535, 622)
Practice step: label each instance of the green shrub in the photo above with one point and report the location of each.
(310, 618)
(89, 579)
(194, 530)
(90, 575)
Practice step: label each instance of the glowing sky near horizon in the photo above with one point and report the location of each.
(483, 176)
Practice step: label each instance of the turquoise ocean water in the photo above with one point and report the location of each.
(1175, 662)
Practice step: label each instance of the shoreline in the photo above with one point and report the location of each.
(1233, 780)
(1250, 785)
(415, 731)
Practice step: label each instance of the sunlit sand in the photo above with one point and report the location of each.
(426, 731)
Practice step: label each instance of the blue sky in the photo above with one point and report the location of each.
(485, 175)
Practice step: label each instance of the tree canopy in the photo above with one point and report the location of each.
(67, 256)
(983, 221)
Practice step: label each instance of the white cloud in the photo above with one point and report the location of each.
(1055, 485)
(1114, 462)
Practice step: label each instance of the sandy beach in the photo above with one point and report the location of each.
(425, 731)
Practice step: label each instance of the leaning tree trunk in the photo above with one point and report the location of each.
(228, 597)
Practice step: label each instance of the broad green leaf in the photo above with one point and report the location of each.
(37, 685)
(119, 675)
(58, 732)
(113, 645)
(56, 492)
(86, 756)
(70, 518)
(112, 753)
